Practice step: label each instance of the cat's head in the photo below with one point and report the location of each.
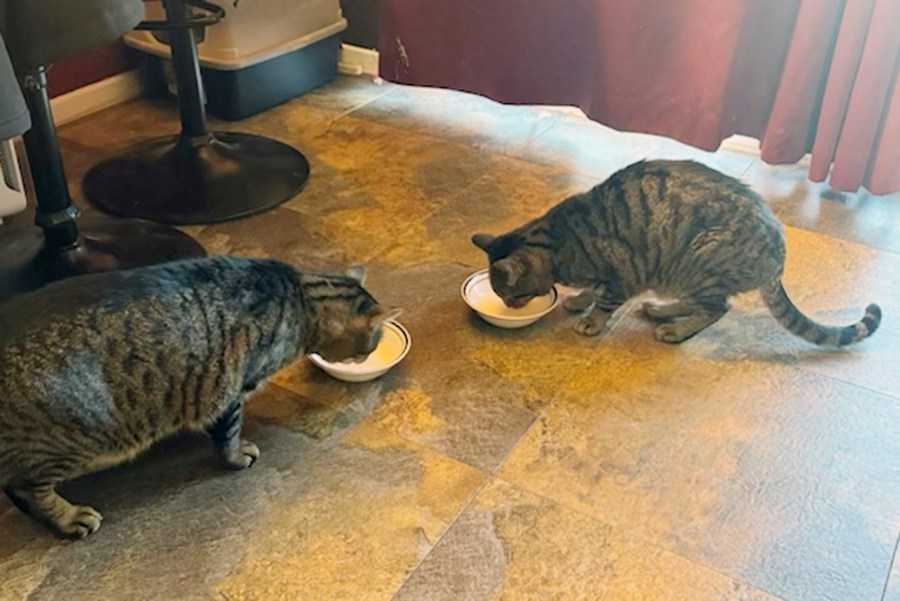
(345, 320)
(519, 271)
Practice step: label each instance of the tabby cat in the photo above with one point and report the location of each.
(677, 228)
(95, 369)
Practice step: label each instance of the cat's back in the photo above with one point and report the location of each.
(672, 184)
(165, 306)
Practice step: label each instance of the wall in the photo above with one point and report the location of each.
(88, 67)
(362, 15)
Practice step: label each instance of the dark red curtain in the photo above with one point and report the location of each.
(816, 76)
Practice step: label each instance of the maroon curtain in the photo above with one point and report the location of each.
(801, 75)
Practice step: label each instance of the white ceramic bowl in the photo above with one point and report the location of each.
(392, 348)
(481, 298)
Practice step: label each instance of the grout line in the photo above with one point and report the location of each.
(887, 580)
(491, 477)
(450, 525)
(389, 90)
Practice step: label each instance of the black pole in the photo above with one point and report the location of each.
(55, 213)
(186, 65)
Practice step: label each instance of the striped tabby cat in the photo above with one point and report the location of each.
(675, 227)
(95, 369)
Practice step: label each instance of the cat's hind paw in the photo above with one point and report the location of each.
(246, 455)
(81, 521)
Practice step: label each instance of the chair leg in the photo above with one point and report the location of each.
(66, 243)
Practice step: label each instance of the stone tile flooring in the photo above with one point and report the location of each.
(536, 464)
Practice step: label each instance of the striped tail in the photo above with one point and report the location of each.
(799, 324)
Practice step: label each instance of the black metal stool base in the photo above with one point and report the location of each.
(106, 244)
(211, 178)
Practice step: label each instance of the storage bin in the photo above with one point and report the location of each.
(261, 54)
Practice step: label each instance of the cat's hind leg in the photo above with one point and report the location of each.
(225, 432)
(655, 311)
(704, 313)
(41, 501)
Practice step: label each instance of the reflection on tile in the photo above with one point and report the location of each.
(873, 220)
(784, 478)
(345, 517)
(346, 93)
(513, 545)
(584, 146)
(469, 118)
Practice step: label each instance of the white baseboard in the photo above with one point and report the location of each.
(356, 60)
(740, 143)
(95, 97)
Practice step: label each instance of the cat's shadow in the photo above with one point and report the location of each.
(167, 467)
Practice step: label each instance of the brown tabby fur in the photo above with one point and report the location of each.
(95, 369)
(675, 227)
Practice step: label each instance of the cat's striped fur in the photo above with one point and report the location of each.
(678, 228)
(95, 369)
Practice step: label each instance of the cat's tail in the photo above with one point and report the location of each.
(796, 322)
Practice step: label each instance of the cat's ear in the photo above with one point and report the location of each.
(483, 241)
(357, 273)
(382, 314)
(511, 269)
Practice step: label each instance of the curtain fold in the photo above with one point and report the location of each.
(816, 76)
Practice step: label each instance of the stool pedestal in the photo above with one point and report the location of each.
(198, 176)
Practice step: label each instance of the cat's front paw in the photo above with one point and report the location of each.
(591, 325)
(671, 333)
(246, 455)
(81, 521)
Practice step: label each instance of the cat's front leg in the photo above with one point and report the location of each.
(593, 319)
(225, 432)
(581, 302)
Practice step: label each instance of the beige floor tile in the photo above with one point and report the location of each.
(363, 170)
(511, 545)
(507, 195)
(768, 473)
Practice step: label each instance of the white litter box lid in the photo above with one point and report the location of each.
(145, 42)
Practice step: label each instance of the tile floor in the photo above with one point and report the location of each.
(742, 465)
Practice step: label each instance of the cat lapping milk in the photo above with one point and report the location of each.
(95, 369)
(678, 228)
